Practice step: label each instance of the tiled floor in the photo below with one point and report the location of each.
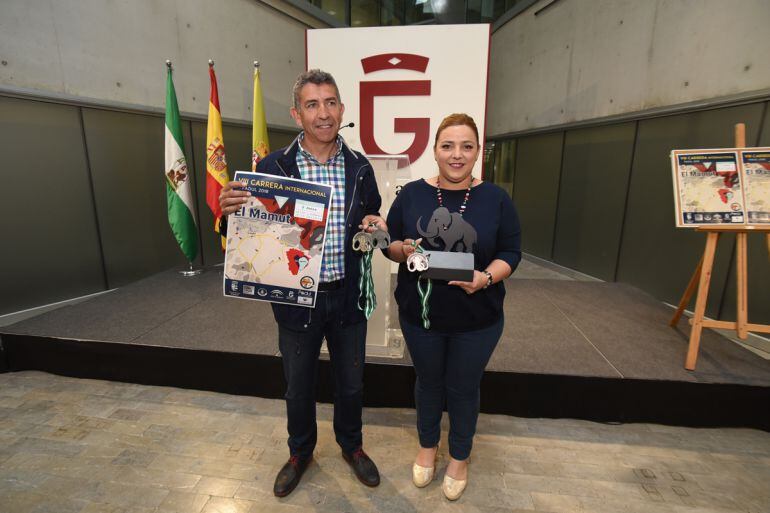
(72, 445)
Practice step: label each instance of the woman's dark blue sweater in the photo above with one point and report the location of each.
(491, 215)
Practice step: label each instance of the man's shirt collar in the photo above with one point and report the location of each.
(310, 156)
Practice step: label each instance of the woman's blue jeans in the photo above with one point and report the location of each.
(449, 368)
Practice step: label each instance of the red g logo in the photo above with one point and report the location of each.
(420, 127)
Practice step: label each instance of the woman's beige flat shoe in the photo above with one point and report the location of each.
(422, 476)
(453, 488)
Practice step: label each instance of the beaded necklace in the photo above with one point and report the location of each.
(465, 199)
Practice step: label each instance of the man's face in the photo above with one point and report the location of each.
(319, 114)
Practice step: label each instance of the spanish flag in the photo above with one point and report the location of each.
(260, 146)
(216, 163)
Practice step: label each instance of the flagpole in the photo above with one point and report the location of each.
(190, 271)
(253, 114)
(260, 144)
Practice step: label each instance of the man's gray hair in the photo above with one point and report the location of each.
(313, 76)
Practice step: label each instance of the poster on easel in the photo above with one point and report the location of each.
(756, 176)
(708, 188)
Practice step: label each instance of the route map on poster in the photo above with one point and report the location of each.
(756, 170)
(707, 188)
(275, 241)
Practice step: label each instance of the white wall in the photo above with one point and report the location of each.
(584, 59)
(115, 50)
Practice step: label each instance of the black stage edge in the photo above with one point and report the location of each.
(520, 394)
(3, 359)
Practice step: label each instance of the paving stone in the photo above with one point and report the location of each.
(59, 505)
(127, 414)
(173, 463)
(61, 487)
(99, 507)
(217, 486)
(41, 446)
(125, 495)
(157, 478)
(15, 501)
(183, 502)
(558, 503)
(155, 394)
(134, 457)
(227, 505)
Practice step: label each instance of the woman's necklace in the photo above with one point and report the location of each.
(465, 200)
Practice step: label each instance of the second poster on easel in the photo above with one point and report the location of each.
(728, 186)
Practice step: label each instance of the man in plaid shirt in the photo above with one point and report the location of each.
(319, 154)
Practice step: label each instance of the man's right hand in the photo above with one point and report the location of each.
(232, 197)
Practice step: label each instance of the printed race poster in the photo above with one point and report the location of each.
(707, 188)
(756, 171)
(275, 241)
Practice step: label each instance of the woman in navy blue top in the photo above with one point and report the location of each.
(452, 335)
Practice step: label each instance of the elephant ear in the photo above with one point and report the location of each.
(428, 238)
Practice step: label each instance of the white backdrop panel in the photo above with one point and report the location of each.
(398, 83)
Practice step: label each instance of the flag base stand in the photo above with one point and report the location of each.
(190, 271)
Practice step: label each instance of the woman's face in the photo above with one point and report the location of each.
(456, 152)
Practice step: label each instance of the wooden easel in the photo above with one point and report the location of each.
(701, 279)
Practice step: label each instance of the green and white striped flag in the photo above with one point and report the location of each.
(178, 186)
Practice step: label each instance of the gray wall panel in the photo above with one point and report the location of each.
(655, 256)
(126, 153)
(505, 164)
(50, 247)
(759, 270)
(758, 284)
(281, 139)
(592, 197)
(535, 190)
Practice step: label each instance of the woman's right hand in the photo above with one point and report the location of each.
(409, 246)
(232, 197)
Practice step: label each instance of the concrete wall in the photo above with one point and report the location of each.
(584, 59)
(115, 50)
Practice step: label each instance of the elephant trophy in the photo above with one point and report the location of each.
(450, 228)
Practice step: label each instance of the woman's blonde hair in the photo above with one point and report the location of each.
(457, 119)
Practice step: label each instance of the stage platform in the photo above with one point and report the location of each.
(571, 348)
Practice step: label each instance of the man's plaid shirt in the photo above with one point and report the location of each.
(332, 172)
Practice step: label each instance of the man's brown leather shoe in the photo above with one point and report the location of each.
(288, 478)
(363, 466)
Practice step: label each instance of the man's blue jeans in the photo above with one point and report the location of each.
(449, 368)
(300, 350)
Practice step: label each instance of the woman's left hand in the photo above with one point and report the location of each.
(479, 280)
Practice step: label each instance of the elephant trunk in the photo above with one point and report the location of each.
(424, 233)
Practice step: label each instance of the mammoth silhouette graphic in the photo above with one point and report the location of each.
(450, 228)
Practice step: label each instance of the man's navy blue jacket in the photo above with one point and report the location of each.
(361, 198)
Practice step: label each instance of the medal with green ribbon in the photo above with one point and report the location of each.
(366, 243)
(418, 262)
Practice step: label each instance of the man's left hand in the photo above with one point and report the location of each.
(372, 223)
(478, 283)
